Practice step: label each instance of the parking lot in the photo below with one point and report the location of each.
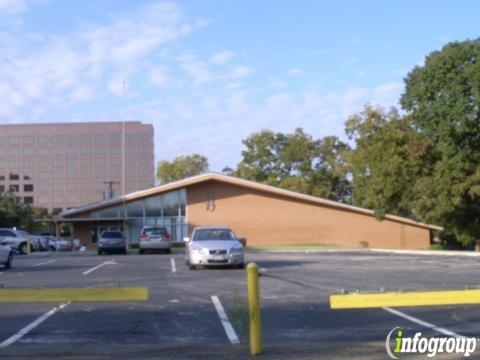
(180, 319)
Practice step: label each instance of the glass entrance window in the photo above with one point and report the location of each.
(166, 209)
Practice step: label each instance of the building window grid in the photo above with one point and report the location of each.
(134, 144)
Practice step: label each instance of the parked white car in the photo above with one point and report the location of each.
(16, 239)
(57, 245)
(38, 243)
(213, 246)
(6, 256)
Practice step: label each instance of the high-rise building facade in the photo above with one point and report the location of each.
(59, 166)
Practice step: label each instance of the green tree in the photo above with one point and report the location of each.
(181, 167)
(14, 213)
(388, 158)
(296, 162)
(443, 100)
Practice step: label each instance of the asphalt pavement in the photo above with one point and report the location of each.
(180, 319)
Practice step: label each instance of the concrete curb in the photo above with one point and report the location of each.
(366, 251)
(429, 252)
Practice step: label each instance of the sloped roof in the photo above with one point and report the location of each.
(239, 182)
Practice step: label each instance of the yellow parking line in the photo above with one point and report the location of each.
(400, 299)
(74, 294)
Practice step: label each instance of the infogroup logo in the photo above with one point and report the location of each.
(397, 343)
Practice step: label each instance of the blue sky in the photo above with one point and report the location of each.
(207, 73)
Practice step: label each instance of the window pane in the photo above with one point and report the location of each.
(153, 206)
(109, 213)
(170, 204)
(28, 187)
(135, 209)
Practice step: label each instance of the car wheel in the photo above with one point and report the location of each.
(141, 251)
(240, 266)
(99, 252)
(52, 248)
(23, 248)
(192, 267)
(8, 264)
(168, 251)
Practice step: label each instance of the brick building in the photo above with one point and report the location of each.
(59, 166)
(264, 214)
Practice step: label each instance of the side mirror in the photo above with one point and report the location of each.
(243, 241)
(186, 239)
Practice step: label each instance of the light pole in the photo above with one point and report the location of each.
(123, 160)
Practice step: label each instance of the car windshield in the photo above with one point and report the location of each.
(156, 231)
(213, 234)
(112, 235)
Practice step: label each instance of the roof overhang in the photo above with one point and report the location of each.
(242, 183)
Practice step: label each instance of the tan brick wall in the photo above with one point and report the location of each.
(264, 218)
(82, 231)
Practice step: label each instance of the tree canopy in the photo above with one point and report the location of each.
(387, 159)
(443, 99)
(181, 167)
(14, 213)
(297, 162)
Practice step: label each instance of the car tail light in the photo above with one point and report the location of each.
(143, 237)
(167, 237)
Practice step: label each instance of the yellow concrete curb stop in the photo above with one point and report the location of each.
(401, 299)
(74, 294)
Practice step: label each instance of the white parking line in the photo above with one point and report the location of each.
(174, 267)
(109, 262)
(44, 263)
(227, 325)
(31, 326)
(423, 323)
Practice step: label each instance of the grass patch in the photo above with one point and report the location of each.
(178, 245)
(239, 316)
(437, 247)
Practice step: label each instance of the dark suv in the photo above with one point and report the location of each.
(111, 241)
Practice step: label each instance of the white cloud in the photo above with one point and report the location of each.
(278, 100)
(12, 7)
(387, 94)
(234, 85)
(241, 71)
(117, 84)
(59, 71)
(46, 76)
(357, 40)
(197, 69)
(277, 84)
(222, 57)
(159, 76)
(348, 61)
(218, 121)
(361, 74)
(294, 72)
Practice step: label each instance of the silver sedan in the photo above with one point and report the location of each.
(213, 246)
(6, 256)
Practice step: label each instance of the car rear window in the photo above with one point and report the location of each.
(155, 231)
(112, 235)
